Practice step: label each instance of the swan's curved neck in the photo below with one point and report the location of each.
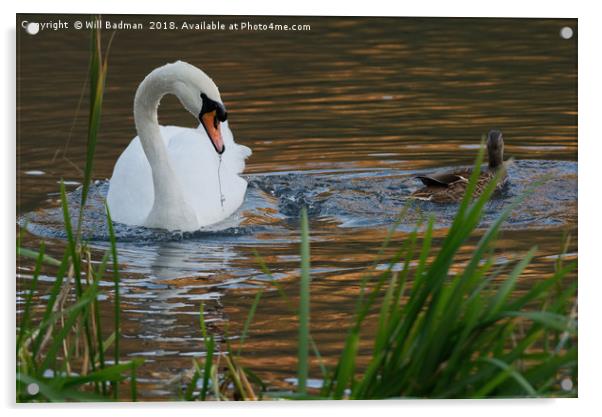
(167, 192)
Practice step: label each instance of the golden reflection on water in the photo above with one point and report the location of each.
(408, 94)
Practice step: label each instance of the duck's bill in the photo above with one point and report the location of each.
(212, 127)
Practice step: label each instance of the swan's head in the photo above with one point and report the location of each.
(495, 148)
(211, 115)
(200, 96)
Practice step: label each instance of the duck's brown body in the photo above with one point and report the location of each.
(450, 187)
(438, 190)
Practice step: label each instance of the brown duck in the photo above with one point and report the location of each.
(450, 187)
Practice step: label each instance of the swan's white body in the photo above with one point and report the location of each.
(172, 177)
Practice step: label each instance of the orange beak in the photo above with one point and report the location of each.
(211, 124)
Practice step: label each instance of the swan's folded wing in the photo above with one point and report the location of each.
(235, 154)
(245, 151)
(238, 158)
(204, 181)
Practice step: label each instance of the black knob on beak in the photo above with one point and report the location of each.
(211, 105)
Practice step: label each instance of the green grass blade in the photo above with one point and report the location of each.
(98, 70)
(114, 373)
(117, 302)
(133, 382)
(210, 347)
(559, 322)
(56, 288)
(71, 241)
(508, 371)
(248, 321)
(74, 250)
(189, 394)
(506, 288)
(73, 314)
(346, 367)
(303, 356)
(45, 390)
(100, 355)
(318, 356)
(24, 326)
(32, 254)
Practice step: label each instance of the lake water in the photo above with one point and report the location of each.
(340, 119)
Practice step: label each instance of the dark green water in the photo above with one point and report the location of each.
(353, 108)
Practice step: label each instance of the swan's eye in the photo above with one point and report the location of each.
(208, 104)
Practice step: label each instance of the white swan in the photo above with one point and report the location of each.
(168, 175)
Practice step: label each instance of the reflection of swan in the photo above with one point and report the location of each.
(173, 177)
(173, 260)
(169, 281)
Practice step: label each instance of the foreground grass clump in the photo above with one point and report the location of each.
(442, 334)
(465, 334)
(61, 357)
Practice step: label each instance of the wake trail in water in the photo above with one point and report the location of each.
(356, 199)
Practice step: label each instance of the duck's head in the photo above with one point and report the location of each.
(495, 148)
